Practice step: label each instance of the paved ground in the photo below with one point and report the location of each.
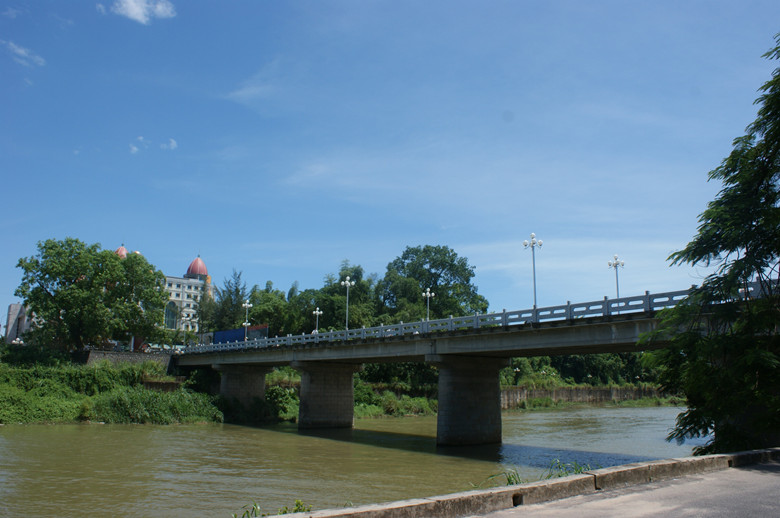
(752, 491)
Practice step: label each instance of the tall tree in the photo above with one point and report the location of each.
(81, 295)
(229, 313)
(439, 268)
(725, 351)
(137, 298)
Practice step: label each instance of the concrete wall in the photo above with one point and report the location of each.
(512, 397)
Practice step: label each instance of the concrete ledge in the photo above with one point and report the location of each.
(481, 501)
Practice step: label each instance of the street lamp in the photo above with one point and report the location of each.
(317, 314)
(246, 305)
(346, 282)
(617, 263)
(428, 294)
(533, 244)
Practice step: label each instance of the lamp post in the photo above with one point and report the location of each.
(246, 305)
(346, 282)
(533, 244)
(317, 314)
(617, 263)
(428, 294)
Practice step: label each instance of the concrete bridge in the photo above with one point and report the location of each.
(469, 351)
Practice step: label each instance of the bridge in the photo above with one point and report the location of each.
(469, 351)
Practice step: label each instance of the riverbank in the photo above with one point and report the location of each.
(481, 502)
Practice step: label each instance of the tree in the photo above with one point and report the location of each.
(229, 313)
(269, 306)
(137, 299)
(725, 348)
(81, 295)
(438, 268)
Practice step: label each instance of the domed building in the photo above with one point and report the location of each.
(184, 294)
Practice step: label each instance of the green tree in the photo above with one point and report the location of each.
(438, 268)
(725, 350)
(229, 313)
(81, 295)
(137, 299)
(269, 306)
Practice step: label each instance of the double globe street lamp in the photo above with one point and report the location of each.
(317, 314)
(428, 294)
(617, 263)
(246, 305)
(532, 245)
(346, 282)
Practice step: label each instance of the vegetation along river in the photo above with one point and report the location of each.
(215, 470)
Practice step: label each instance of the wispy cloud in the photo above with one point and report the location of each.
(142, 143)
(258, 87)
(141, 11)
(22, 55)
(170, 145)
(12, 13)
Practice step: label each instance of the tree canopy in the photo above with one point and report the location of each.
(725, 350)
(82, 295)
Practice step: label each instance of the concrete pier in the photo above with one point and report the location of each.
(327, 394)
(242, 382)
(469, 400)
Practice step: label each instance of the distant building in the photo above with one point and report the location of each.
(184, 294)
(18, 322)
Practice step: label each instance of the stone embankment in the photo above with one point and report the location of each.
(514, 397)
(483, 501)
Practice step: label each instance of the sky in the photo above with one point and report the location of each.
(279, 139)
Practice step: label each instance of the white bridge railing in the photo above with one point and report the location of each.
(606, 307)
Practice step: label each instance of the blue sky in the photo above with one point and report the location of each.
(281, 138)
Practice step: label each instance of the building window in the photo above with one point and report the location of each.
(170, 315)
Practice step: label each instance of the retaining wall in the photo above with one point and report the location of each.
(512, 397)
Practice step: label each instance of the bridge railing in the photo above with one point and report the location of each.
(605, 307)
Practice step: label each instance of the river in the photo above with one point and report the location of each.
(214, 470)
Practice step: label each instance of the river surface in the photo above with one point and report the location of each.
(215, 470)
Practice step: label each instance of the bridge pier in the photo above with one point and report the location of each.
(469, 399)
(327, 394)
(242, 382)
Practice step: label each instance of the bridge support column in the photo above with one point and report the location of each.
(242, 382)
(327, 394)
(469, 400)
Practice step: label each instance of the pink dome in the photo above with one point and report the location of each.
(197, 268)
(121, 252)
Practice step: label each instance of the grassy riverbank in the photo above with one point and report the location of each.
(101, 392)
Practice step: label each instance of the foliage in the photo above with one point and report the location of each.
(253, 510)
(439, 268)
(81, 295)
(27, 355)
(725, 348)
(100, 392)
(564, 469)
(138, 405)
(229, 313)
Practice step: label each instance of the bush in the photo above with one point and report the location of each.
(138, 405)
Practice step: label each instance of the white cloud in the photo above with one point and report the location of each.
(100, 8)
(11, 13)
(172, 144)
(142, 11)
(133, 149)
(22, 55)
